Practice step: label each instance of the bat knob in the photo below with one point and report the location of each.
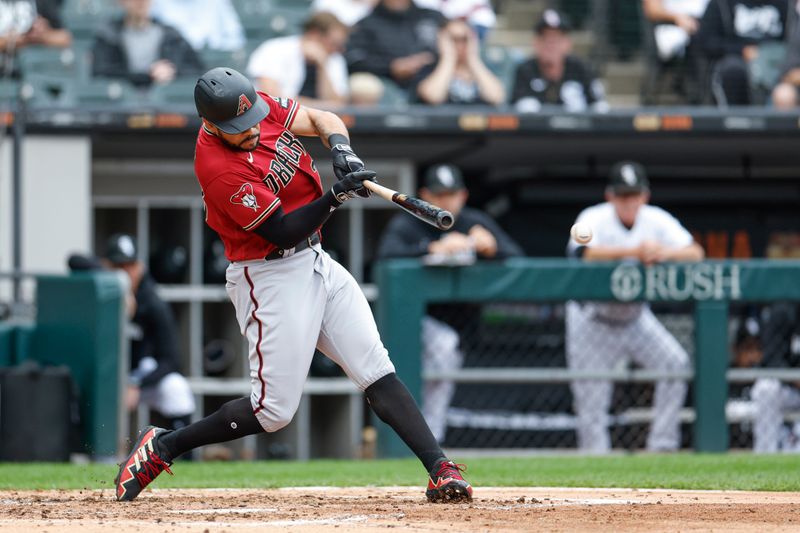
(444, 220)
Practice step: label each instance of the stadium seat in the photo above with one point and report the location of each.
(98, 91)
(287, 21)
(236, 59)
(303, 5)
(33, 92)
(180, 91)
(254, 15)
(67, 62)
(8, 91)
(502, 64)
(393, 94)
(82, 17)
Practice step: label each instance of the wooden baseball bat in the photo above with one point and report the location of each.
(435, 216)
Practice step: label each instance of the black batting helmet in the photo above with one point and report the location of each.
(228, 100)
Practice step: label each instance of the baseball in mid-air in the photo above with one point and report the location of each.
(581, 233)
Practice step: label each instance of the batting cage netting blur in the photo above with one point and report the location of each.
(600, 376)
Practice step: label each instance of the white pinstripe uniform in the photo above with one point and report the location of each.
(602, 336)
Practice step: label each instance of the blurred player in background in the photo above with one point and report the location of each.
(772, 342)
(474, 235)
(155, 379)
(602, 335)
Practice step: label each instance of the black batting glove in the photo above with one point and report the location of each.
(345, 160)
(352, 185)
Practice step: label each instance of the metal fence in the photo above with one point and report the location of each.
(656, 358)
(530, 341)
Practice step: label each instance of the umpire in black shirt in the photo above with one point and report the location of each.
(473, 236)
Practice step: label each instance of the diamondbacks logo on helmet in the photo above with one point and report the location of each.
(244, 105)
(244, 196)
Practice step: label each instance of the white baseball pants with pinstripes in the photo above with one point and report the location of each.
(288, 307)
(596, 345)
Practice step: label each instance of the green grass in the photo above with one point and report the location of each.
(680, 471)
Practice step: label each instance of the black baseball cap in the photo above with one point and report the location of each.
(121, 249)
(443, 178)
(628, 177)
(552, 19)
(227, 99)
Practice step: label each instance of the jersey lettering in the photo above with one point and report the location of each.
(288, 151)
(283, 102)
(291, 146)
(281, 169)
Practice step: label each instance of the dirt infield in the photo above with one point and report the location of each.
(379, 509)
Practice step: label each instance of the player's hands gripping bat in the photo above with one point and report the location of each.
(345, 161)
(352, 185)
(433, 215)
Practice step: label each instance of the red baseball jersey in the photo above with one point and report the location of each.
(242, 189)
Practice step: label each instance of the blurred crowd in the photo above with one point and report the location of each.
(329, 53)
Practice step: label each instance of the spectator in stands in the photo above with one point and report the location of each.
(553, 76)
(347, 11)
(460, 76)
(676, 21)
(137, 48)
(474, 235)
(29, 22)
(673, 28)
(733, 33)
(601, 336)
(309, 67)
(785, 93)
(396, 41)
(155, 379)
(478, 13)
(205, 24)
(779, 339)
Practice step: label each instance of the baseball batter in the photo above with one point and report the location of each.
(264, 198)
(602, 335)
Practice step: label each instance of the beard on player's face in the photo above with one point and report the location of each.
(247, 141)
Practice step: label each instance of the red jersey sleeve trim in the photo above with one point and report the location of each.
(260, 218)
(290, 117)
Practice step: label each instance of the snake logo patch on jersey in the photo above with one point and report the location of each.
(244, 105)
(244, 196)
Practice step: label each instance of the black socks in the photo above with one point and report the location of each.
(233, 420)
(388, 397)
(393, 404)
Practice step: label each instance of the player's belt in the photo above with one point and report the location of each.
(280, 254)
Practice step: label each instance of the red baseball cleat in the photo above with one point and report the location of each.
(447, 485)
(142, 466)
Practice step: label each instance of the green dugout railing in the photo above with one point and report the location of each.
(406, 287)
